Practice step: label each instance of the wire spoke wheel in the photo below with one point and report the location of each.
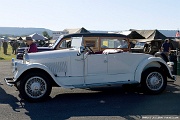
(154, 81)
(35, 87)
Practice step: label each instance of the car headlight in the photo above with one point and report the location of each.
(25, 58)
(12, 61)
(14, 65)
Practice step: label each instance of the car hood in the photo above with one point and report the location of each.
(47, 55)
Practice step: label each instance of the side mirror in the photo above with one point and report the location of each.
(81, 50)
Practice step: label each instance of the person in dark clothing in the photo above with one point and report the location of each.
(0, 44)
(166, 48)
(15, 45)
(32, 46)
(5, 47)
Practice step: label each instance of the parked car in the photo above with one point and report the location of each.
(138, 47)
(64, 42)
(90, 62)
(151, 48)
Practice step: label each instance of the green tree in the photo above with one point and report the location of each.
(45, 34)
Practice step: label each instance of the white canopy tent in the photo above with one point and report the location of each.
(37, 36)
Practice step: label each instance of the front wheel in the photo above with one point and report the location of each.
(35, 87)
(153, 81)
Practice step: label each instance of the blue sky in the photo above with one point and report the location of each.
(91, 14)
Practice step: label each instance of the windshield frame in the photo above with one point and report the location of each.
(57, 41)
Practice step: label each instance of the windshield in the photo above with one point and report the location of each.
(139, 45)
(57, 41)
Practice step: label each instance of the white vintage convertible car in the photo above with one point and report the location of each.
(81, 67)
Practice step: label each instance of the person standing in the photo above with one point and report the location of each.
(166, 48)
(32, 46)
(15, 45)
(0, 44)
(5, 46)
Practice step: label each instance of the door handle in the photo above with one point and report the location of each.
(105, 61)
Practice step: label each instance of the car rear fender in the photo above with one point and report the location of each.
(152, 62)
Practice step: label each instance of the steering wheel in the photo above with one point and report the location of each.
(90, 50)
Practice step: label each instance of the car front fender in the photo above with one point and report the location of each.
(27, 67)
(151, 62)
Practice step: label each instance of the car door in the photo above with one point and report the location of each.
(96, 64)
(121, 66)
(117, 64)
(96, 67)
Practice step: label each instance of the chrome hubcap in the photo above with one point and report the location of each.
(154, 81)
(35, 87)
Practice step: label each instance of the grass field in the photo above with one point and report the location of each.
(9, 55)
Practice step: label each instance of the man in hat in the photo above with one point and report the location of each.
(32, 46)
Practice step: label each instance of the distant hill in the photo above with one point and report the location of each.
(19, 31)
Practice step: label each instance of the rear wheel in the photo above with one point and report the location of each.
(153, 81)
(35, 87)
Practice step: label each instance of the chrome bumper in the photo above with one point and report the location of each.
(173, 79)
(9, 81)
